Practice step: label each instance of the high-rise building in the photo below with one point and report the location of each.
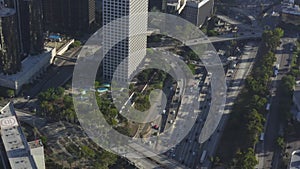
(21, 33)
(30, 18)
(68, 16)
(16, 152)
(175, 6)
(194, 11)
(197, 11)
(157, 5)
(98, 9)
(10, 58)
(132, 50)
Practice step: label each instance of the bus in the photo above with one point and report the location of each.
(203, 156)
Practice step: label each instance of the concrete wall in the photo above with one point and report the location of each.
(290, 18)
(32, 67)
(197, 12)
(38, 156)
(63, 49)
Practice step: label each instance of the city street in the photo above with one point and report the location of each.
(267, 150)
(235, 85)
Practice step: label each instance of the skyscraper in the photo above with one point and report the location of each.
(30, 18)
(131, 50)
(10, 58)
(68, 16)
(197, 12)
(21, 33)
(157, 5)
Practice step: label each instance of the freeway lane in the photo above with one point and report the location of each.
(243, 70)
(268, 157)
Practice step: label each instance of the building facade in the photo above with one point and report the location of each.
(175, 6)
(290, 13)
(10, 58)
(157, 5)
(132, 17)
(16, 152)
(197, 12)
(21, 33)
(68, 16)
(30, 18)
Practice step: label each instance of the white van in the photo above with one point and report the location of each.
(262, 137)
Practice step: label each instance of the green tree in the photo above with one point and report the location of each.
(59, 91)
(44, 140)
(245, 160)
(288, 83)
(254, 125)
(107, 159)
(68, 101)
(212, 33)
(76, 43)
(10, 93)
(87, 152)
(278, 32)
(258, 102)
(280, 142)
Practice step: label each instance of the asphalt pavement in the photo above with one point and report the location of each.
(267, 149)
(234, 87)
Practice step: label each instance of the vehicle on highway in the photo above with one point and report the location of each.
(262, 137)
(268, 106)
(276, 67)
(156, 127)
(275, 73)
(203, 156)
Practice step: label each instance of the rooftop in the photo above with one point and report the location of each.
(196, 3)
(290, 8)
(35, 144)
(31, 66)
(15, 144)
(27, 65)
(293, 11)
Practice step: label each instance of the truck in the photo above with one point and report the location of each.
(203, 156)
